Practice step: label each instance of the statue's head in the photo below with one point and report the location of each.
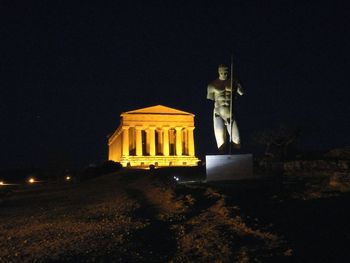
(223, 72)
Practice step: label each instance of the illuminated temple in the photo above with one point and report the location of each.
(158, 135)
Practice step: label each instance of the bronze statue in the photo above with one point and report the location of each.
(223, 91)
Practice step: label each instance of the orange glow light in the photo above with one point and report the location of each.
(31, 180)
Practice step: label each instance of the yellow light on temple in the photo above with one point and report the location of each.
(68, 178)
(155, 136)
(1, 183)
(31, 180)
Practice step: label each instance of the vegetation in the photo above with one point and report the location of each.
(277, 142)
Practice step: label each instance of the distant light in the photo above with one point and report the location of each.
(68, 178)
(176, 178)
(31, 180)
(1, 183)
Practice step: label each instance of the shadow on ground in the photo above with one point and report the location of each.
(155, 241)
(318, 230)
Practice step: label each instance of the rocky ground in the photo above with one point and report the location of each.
(143, 216)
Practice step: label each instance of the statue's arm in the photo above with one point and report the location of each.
(240, 90)
(210, 93)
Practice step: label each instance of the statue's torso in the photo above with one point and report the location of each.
(220, 92)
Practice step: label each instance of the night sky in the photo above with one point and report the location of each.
(68, 69)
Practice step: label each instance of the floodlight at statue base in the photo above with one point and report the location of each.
(229, 167)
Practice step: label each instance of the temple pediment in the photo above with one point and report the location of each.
(158, 109)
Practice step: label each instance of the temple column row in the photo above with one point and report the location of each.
(163, 140)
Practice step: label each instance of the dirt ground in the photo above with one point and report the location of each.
(140, 216)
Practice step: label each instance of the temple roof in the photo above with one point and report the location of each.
(158, 109)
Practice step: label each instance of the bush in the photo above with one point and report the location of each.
(105, 168)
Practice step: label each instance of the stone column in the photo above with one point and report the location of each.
(125, 140)
(152, 141)
(147, 142)
(160, 141)
(132, 138)
(184, 142)
(178, 147)
(166, 141)
(190, 141)
(138, 140)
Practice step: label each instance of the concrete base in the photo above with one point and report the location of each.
(229, 167)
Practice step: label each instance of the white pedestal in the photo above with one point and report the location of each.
(229, 167)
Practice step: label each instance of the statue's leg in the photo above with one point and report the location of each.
(219, 130)
(234, 132)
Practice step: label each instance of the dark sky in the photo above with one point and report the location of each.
(68, 69)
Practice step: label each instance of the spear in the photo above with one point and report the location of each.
(230, 141)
